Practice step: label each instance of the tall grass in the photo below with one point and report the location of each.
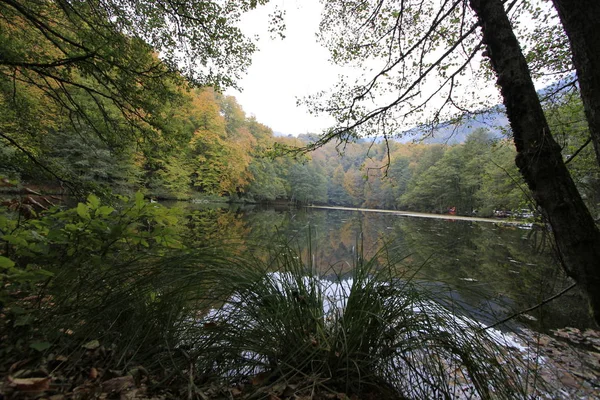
(370, 333)
(210, 318)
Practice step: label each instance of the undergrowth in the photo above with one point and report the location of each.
(96, 294)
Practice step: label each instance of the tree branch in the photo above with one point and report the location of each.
(546, 301)
(36, 162)
(57, 63)
(579, 150)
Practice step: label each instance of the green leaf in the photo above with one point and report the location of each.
(83, 211)
(23, 320)
(6, 262)
(139, 198)
(104, 211)
(18, 310)
(44, 273)
(15, 240)
(93, 201)
(40, 346)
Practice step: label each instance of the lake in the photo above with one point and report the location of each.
(493, 269)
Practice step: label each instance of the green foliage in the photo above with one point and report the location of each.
(85, 98)
(89, 272)
(567, 121)
(306, 184)
(502, 187)
(85, 239)
(266, 184)
(476, 176)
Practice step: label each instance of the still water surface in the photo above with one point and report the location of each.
(493, 269)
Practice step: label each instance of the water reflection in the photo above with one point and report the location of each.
(496, 270)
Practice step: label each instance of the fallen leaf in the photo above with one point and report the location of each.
(93, 373)
(261, 378)
(235, 392)
(118, 385)
(91, 345)
(30, 385)
(18, 365)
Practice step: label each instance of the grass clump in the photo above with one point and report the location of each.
(368, 333)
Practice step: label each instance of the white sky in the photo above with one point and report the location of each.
(283, 70)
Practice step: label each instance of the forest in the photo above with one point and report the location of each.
(110, 108)
(224, 155)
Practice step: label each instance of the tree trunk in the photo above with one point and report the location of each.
(581, 22)
(538, 156)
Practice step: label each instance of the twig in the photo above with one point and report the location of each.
(549, 299)
(579, 150)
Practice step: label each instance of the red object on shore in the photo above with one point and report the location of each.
(452, 211)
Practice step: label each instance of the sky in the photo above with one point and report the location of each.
(285, 69)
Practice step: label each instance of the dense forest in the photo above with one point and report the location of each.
(212, 150)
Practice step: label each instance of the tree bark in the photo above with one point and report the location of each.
(581, 22)
(539, 157)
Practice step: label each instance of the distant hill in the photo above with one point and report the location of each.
(281, 134)
(494, 120)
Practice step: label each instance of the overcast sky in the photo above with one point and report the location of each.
(284, 69)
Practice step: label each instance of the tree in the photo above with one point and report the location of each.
(398, 176)
(420, 52)
(265, 183)
(354, 184)
(581, 21)
(567, 121)
(539, 157)
(94, 64)
(502, 187)
(336, 193)
(221, 159)
(307, 184)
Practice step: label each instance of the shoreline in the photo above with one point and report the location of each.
(425, 215)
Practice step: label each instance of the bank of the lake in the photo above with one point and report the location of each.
(427, 215)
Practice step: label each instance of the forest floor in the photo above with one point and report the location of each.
(569, 368)
(569, 362)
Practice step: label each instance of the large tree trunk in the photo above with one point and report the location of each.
(538, 156)
(581, 22)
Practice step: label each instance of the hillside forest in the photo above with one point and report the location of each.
(210, 149)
